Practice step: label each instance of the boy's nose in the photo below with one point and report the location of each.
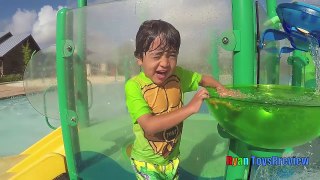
(164, 62)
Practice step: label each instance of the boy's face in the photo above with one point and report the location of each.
(158, 64)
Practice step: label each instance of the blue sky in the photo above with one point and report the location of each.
(36, 17)
(11, 6)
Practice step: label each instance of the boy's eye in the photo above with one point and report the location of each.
(173, 55)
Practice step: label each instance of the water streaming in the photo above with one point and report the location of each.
(311, 171)
(314, 50)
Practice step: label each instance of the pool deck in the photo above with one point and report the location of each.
(11, 89)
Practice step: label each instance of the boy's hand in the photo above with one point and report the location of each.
(195, 103)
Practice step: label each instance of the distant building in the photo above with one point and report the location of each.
(11, 54)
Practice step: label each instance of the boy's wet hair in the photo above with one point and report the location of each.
(150, 30)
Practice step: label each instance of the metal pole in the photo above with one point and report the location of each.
(243, 73)
(244, 60)
(63, 88)
(82, 3)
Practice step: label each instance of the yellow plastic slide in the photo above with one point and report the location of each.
(43, 160)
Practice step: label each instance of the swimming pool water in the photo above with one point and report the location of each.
(21, 125)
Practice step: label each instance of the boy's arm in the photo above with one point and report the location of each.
(153, 124)
(208, 81)
(140, 110)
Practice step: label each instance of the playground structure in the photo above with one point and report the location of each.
(94, 58)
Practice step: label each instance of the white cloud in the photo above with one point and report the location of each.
(44, 29)
(41, 25)
(22, 21)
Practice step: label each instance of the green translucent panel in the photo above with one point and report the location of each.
(269, 116)
(40, 82)
(104, 39)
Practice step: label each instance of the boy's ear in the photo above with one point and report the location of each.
(139, 61)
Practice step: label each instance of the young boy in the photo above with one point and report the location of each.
(154, 100)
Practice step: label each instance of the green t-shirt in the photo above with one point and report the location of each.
(145, 97)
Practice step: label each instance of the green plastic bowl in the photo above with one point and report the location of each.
(269, 116)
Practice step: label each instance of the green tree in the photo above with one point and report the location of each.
(26, 50)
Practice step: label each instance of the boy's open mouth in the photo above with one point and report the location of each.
(161, 74)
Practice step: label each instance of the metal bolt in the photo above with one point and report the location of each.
(73, 119)
(69, 48)
(225, 40)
